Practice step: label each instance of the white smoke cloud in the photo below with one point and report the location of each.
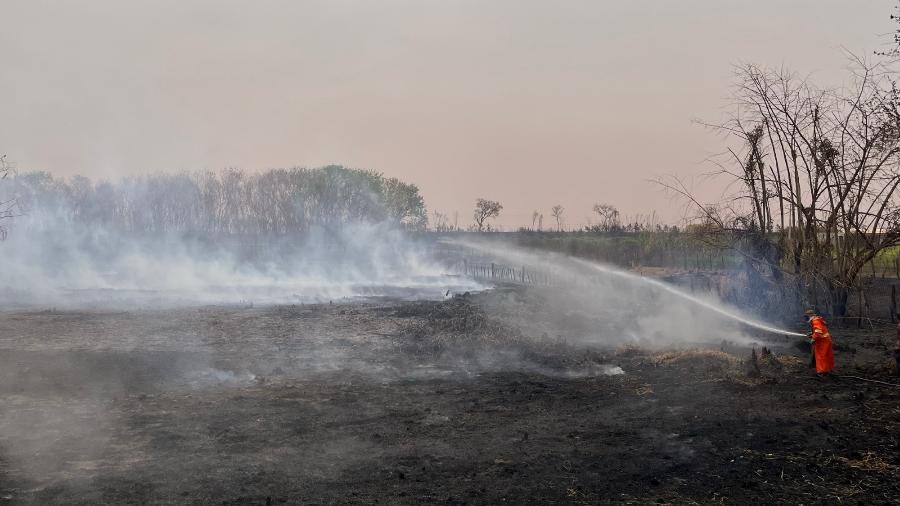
(69, 267)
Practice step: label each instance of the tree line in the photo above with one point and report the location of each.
(230, 202)
(608, 219)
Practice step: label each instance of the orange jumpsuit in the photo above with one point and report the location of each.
(822, 345)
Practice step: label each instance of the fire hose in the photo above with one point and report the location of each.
(866, 379)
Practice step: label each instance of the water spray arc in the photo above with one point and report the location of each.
(521, 257)
(674, 291)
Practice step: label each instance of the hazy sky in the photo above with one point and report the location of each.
(530, 103)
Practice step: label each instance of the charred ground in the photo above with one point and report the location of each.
(415, 402)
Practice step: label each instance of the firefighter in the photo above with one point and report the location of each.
(820, 339)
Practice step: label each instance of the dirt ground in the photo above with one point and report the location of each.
(392, 402)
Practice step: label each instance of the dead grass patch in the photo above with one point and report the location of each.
(630, 350)
(644, 390)
(697, 357)
(871, 462)
(786, 360)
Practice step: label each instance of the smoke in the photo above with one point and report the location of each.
(64, 266)
(597, 304)
(282, 235)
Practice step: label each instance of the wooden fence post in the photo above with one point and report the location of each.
(859, 307)
(894, 303)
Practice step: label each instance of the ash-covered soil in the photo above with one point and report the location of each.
(473, 400)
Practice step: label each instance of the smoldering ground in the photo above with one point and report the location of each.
(75, 382)
(409, 402)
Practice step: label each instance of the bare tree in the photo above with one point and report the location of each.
(534, 218)
(485, 210)
(818, 175)
(557, 212)
(541, 222)
(894, 50)
(440, 222)
(608, 217)
(8, 204)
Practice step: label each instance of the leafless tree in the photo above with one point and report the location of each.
(8, 204)
(440, 222)
(817, 175)
(557, 212)
(485, 210)
(894, 46)
(608, 217)
(534, 218)
(541, 222)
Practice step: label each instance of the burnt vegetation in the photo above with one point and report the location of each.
(415, 402)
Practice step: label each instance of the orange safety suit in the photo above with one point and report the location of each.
(822, 345)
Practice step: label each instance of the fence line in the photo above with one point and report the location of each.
(507, 274)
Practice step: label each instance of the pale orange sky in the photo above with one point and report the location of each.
(529, 103)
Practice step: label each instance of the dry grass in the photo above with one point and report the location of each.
(697, 357)
(871, 462)
(644, 390)
(714, 365)
(785, 360)
(630, 350)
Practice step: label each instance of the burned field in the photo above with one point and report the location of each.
(475, 399)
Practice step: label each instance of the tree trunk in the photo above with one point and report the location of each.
(839, 296)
